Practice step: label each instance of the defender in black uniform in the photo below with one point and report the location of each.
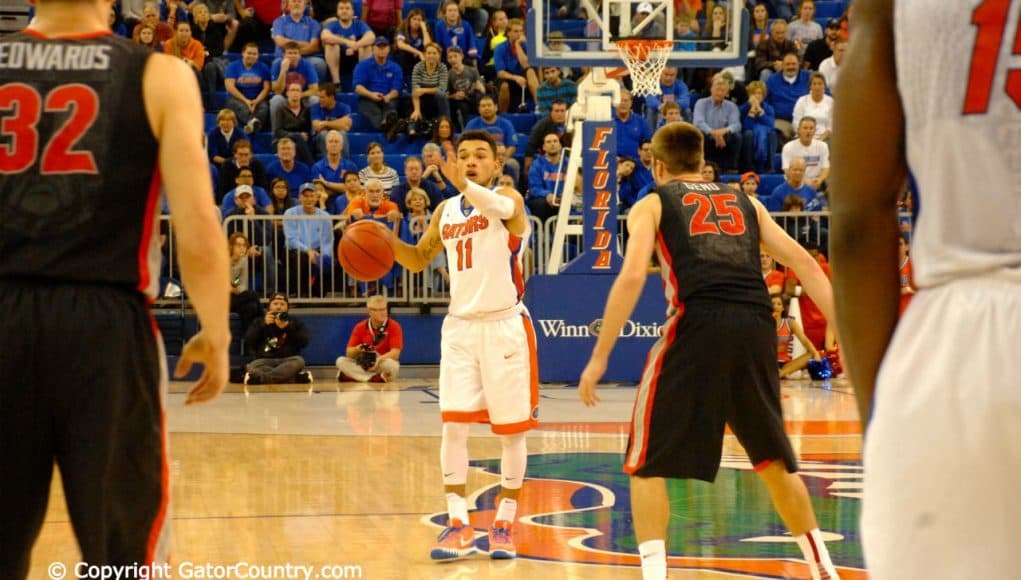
(87, 122)
(714, 364)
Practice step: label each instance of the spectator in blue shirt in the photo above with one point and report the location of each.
(331, 168)
(783, 91)
(631, 129)
(720, 122)
(378, 81)
(309, 244)
(451, 30)
(554, 89)
(292, 69)
(501, 129)
(346, 41)
(414, 169)
(546, 176)
(673, 91)
(295, 25)
(758, 121)
(245, 179)
(247, 82)
(287, 167)
(794, 184)
(512, 68)
(329, 114)
(221, 139)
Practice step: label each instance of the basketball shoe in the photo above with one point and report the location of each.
(456, 541)
(501, 543)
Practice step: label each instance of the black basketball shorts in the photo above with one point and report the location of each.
(82, 379)
(714, 366)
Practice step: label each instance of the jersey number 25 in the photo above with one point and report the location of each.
(715, 214)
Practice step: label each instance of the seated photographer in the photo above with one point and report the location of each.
(276, 341)
(374, 347)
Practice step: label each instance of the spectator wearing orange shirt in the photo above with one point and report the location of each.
(183, 46)
(373, 206)
(774, 278)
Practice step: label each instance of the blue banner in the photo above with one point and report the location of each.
(599, 202)
(567, 313)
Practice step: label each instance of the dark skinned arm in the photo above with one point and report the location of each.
(865, 184)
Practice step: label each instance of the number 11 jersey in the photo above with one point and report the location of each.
(484, 260)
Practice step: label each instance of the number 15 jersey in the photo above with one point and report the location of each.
(959, 79)
(79, 188)
(484, 260)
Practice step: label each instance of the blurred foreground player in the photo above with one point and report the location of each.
(92, 125)
(943, 448)
(716, 360)
(488, 366)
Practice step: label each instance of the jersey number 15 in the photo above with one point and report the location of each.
(24, 106)
(990, 17)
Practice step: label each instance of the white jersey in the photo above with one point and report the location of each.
(963, 135)
(484, 260)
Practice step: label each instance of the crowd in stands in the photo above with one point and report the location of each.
(315, 106)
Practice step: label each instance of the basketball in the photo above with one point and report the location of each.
(365, 252)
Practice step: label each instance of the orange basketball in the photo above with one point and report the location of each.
(365, 252)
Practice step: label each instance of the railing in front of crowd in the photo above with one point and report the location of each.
(274, 265)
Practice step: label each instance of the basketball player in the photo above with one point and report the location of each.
(715, 362)
(92, 126)
(488, 367)
(943, 448)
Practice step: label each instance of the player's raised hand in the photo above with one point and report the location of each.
(450, 169)
(594, 371)
(214, 357)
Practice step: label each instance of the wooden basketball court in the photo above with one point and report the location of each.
(347, 476)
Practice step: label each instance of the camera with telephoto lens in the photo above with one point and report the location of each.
(281, 316)
(367, 357)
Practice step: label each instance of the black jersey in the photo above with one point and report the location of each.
(79, 185)
(708, 244)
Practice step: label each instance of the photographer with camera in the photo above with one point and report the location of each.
(374, 347)
(277, 340)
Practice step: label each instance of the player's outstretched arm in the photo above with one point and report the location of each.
(642, 224)
(417, 257)
(863, 196)
(174, 109)
(788, 252)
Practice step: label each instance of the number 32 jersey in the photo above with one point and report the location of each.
(959, 78)
(708, 245)
(484, 260)
(79, 188)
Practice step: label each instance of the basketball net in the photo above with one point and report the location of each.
(645, 60)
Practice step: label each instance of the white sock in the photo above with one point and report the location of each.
(507, 510)
(653, 554)
(457, 508)
(816, 554)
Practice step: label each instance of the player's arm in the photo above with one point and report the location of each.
(175, 117)
(417, 257)
(642, 224)
(863, 197)
(504, 204)
(788, 252)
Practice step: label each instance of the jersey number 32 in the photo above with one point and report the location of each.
(21, 107)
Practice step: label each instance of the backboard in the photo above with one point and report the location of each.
(561, 39)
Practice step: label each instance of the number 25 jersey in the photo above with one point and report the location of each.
(79, 189)
(708, 245)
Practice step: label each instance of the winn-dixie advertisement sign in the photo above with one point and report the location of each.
(567, 314)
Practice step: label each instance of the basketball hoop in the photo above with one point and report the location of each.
(645, 59)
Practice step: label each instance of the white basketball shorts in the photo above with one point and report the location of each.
(489, 373)
(943, 452)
